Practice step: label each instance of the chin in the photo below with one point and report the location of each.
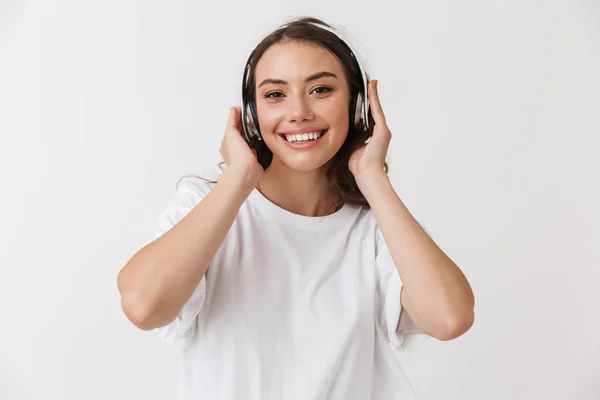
(300, 163)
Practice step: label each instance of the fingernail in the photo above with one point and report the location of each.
(375, 82)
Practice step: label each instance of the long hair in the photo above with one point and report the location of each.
(340, 179)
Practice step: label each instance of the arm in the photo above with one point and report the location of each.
(159, 279)
(435, 293)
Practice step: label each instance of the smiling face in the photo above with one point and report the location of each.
(302, 100)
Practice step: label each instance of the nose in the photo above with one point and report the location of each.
(299, 109)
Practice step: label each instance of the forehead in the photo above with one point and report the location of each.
(295, 59)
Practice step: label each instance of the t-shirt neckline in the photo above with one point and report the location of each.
(287, 217)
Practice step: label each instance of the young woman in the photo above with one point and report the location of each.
(298, 272)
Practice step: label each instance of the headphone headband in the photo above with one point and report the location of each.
(360, 108)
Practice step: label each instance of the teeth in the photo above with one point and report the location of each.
(303, 137)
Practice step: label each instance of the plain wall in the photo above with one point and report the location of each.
(495, 113)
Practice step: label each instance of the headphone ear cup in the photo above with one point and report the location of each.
(249, 123)
(253, 115)
(359, 112)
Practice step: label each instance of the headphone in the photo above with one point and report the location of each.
(359, 106)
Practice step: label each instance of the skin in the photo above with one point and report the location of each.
(158, 280)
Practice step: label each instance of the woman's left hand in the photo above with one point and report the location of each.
(370, 158)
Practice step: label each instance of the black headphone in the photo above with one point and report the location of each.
(359, 106)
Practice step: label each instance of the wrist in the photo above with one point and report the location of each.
(376, 188)
(242, 179)
(367, 181)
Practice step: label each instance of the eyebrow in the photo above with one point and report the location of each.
(313, 77)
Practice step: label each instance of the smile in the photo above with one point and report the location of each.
(304, 137)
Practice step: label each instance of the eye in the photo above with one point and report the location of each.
(322, 90)
(272, 95)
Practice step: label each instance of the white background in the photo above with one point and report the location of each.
(495, 111)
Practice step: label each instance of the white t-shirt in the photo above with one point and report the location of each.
(292, 307)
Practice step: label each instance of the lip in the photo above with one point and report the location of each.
(307, 129)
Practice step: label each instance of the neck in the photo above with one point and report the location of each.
(304, 193)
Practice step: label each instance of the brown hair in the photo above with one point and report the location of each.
(340, 178)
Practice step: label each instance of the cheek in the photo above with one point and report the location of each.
(337, 115)
(268, 117)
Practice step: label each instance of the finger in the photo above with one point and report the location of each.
(375, 105)
(238, 119)
(231, 119)
(235, 120)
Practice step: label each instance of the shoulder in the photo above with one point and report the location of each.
(197, 186)
(189, 190)
(370, 227)
(366, 217)
(364, 222)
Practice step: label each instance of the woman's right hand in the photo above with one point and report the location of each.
(235, 150)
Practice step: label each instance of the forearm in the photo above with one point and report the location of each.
(159, 279)
(436, 294)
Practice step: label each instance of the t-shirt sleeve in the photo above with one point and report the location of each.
(188, 194)
(396, 323)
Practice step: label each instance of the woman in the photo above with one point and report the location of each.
(298, 273)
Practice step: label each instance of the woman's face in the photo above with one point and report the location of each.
(302, 100)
